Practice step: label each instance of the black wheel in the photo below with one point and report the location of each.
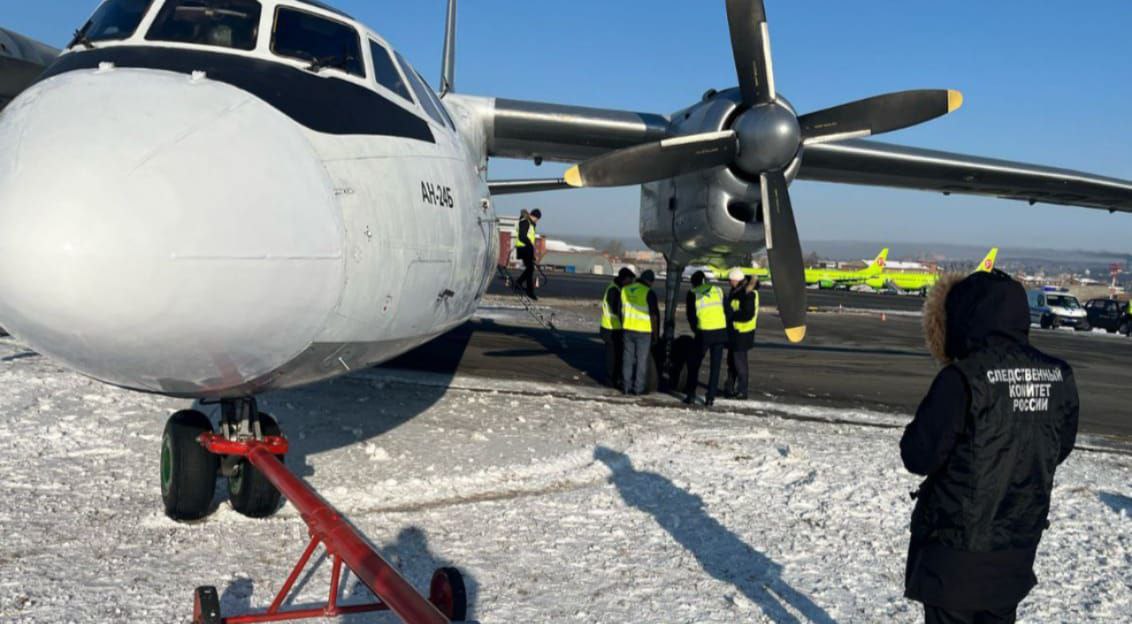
(206, 606)
(188, 471)
(447, 593)
(249, 491)
(652, 379)
(1083, 327)
(682, 351)
(1046, 322)
(1126, 329)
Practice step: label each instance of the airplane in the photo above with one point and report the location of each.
(821, 277)
(922, 281)
(839, 278)
(213, 199)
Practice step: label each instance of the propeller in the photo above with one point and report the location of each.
(764, 139)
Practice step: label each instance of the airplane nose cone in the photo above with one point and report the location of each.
(163, 232)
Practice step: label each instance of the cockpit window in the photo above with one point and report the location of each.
(436, 101)
(386, 72)
(220, 23)
(425, 95)
(113, 20)
(327, 44)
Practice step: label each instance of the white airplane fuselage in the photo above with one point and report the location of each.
(170, 232)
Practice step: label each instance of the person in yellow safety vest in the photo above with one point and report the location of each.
(526, 237)
(743, 302)
(640, 320)
(707, 314)
(612, 333)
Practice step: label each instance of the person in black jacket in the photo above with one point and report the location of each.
(989, 436)
(526, 240)
(743, 302)
(708, 315)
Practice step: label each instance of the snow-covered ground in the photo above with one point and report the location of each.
(561, 504)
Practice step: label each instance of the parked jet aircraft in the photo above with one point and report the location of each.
(822, 277)
(216, 198)
(922, 281)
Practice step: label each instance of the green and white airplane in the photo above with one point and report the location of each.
(922, 281)
(820, 277)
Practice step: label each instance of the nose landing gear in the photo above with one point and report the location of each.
(249, 450)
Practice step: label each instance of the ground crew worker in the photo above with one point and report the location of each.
(526, 235)
(989, 436)
(612, 332)
(640, 319)
(707, 315)
(744, 305)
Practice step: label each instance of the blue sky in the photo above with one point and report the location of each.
(1048, 83)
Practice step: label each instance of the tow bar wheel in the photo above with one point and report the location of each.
(206, 606)
(188, 470)
(447, 593)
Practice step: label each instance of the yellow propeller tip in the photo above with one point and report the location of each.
(573, 177)
(796, 334)
(954, 100)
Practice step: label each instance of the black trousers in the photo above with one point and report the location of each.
(694, 369)
(738, 371)
(526, 281)
(614, 354)
(937, 615)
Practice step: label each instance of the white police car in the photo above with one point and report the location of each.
(1050, 309)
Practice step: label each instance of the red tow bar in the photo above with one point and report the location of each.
(343, 544)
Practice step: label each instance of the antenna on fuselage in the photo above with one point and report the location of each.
(448, 72)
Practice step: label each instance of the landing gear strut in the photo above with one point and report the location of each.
(670, 358)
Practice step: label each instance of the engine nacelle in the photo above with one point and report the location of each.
(711, 216)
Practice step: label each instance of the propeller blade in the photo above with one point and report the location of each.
(877, 115)
(750, 43)
(650, 162)
(784, 253)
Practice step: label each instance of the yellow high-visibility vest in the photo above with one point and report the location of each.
(609, 320)
(710, 315)
(533, 231)
(751, 325)
(635, 315)
(1130, 306)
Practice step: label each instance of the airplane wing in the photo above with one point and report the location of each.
(880, 164)
(22, 60)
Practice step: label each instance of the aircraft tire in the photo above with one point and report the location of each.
(448, 593)
(250, 493)
(652, 379)
(188, 470)
(681, 355)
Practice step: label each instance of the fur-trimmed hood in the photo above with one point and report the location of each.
(964, 314)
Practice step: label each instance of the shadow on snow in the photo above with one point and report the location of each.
(720, 553)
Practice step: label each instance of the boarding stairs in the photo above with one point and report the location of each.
(542, 315)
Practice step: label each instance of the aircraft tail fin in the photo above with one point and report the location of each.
(876, 267)
(987, 265)
(448, 72)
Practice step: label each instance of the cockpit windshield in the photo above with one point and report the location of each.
(326, 43)
(113, 20)
(220, 23)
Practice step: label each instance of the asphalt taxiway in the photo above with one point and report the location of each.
(575, 287)
(854, 359)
